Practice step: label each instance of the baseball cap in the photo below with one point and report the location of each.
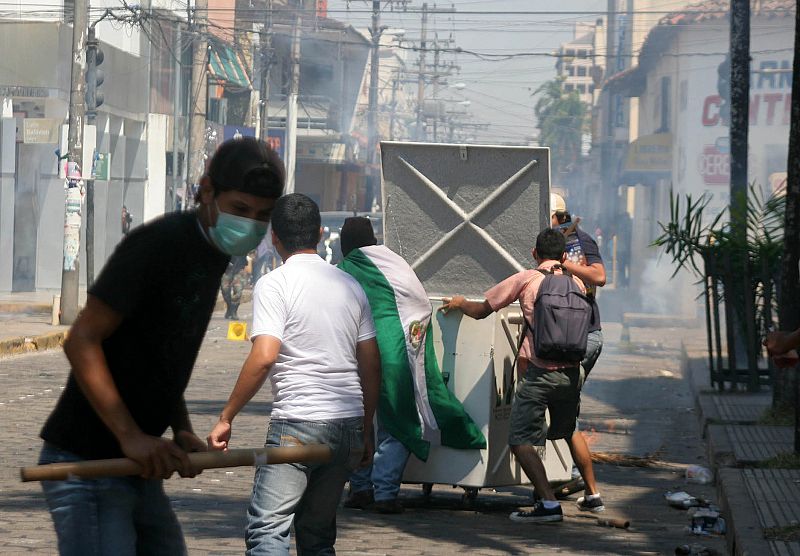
(557, 203)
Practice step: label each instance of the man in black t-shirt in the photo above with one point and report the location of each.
(587, 265)
(132, 350)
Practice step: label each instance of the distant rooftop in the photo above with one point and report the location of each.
(718, 9)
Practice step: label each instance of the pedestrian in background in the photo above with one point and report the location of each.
(415, 409)
(126, 219)
(132, 350)
(233, 282)
(262, 263)
(314, 338)
(584, 261)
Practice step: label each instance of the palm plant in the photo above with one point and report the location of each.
(561, 121)
(741, 272)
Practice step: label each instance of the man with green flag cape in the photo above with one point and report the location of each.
(415, 409)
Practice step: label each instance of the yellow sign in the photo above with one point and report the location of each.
(237, 331)
(40, 131)
(650, 153)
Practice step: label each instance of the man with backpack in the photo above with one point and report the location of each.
(557, 315)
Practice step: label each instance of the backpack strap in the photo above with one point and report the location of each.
(520, 342)
(551, 271)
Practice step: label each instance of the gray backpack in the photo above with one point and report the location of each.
(561, 314)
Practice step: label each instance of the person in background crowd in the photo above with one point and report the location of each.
(126, 220)
(232, 286)
(584, 261)
(415, 405)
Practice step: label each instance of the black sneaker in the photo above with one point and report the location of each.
(391, 506)
(593, 505)
(360, 500)
(539, 514)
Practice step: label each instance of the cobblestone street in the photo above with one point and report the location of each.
(636, 403)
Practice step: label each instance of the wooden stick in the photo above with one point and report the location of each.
(121, 467)
(609, 521)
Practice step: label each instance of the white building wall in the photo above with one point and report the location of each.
(156, 184)
(8, 128)
(701, 163)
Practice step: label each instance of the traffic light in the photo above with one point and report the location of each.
(724, 90)
(94, 75)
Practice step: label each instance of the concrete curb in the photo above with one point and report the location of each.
(719, 447)
(27, 344)
(731, 494)
(26, 308)
(745, 535)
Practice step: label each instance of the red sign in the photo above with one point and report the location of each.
(322, 8)
(714, 166)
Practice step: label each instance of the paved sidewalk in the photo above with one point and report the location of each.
(26, 323)
(761, 504)
(637, 402)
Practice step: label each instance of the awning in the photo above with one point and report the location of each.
(226, 66)
(629, 83)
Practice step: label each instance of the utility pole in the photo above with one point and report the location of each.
(421, 83)
(372, 113)
(172, 197)
(435, 80)
(70, 277)
(607, 150)
(740, 101)
(740, 93)
(393, 115)
(266, 63)
(92, 54)
(789, 302)
(198, 98)
(291, 110)
(94, 98)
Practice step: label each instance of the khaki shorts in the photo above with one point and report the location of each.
(540, 390)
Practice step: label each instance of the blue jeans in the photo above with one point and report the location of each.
(304, 494)
(594, 345)
(118, 516)
(386, 472)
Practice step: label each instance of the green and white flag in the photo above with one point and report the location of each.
(415, 405)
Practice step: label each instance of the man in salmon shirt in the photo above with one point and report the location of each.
(552, 385)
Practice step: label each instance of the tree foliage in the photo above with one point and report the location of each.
(562, 119)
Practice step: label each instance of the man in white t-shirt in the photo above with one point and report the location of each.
(314, 338)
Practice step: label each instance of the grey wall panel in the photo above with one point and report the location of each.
(50, 247)
(430, 191)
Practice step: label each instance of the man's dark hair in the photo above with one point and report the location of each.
(550, 244)
(248, 165)
(296, 222)
(356, 232)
